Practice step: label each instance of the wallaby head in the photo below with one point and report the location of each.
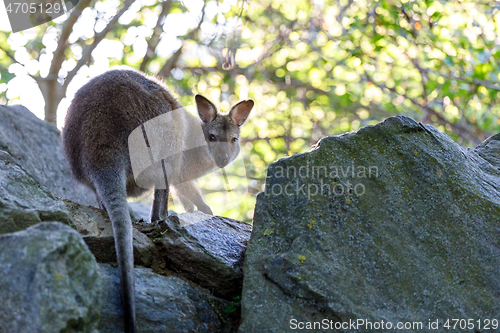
(222, 131)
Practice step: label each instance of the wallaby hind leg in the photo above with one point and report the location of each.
(159, 210)
(189, 192)
(110, 185)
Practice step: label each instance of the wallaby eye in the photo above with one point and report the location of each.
(212, 137)
(234, 140)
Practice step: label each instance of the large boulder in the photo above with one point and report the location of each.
(163, 304)
(208, 250)
(394, 223)
(36, 146)
(49, 281)
(23, 202)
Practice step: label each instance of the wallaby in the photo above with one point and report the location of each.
(100, 119)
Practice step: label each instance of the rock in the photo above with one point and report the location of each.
(36, 146)
(416, 237)
(208, 250)
(139, 211)
(23, 202)
(163, 304)
(103, 248)
(489, 150)
(95, 227)
(89, 221)
(49, 281)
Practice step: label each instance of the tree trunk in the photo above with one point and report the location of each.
(52, 94)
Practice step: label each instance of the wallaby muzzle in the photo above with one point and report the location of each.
(223, 153)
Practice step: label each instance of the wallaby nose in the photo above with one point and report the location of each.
(222, 153)
(222, 160)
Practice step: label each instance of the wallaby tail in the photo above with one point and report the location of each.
(110, 186)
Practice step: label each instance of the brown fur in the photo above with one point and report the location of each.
(103, 114)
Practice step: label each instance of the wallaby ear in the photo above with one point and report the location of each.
(206, 109)
(240, 111)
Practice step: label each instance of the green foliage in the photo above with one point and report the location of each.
(318, 68)
(233, 306)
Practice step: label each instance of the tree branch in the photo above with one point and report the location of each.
(460, 130)
(51, 91)
(62, 44)
(478, 82)
(201, 69)
(10, 55)
(170, 64)
(3, 69)
(472, 81)
(155, 38)
(422, 78)
(6, 70)
(87, 52)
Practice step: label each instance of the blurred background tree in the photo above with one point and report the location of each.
(314, 67)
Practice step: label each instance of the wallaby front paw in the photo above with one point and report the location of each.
(156, 216)
(205, 209)
(189, 208)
